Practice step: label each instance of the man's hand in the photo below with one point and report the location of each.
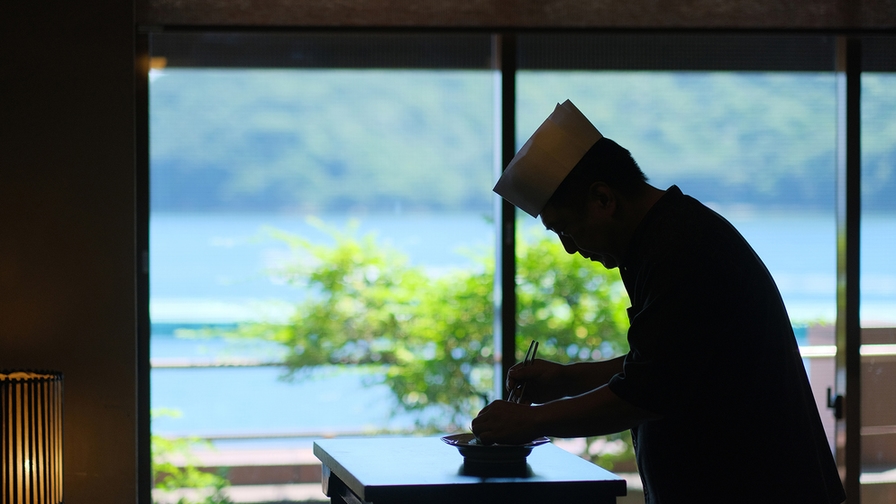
(506, 422)
(543, 379)
(596, 413)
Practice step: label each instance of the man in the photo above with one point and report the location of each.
(713, 387)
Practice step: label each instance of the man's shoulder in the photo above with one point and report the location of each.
(686, 238)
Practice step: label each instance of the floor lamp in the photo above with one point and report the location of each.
(30, 437)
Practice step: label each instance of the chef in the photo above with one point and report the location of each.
(713, 387)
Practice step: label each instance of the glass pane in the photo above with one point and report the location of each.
(878, 277)
(320, 242)
(720, 137)
(758, 147)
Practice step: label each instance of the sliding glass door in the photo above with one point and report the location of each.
(747, 125)
(878, 272)
(321, 235)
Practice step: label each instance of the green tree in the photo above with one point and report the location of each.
(174, 469)
(432, 335)
(573, 307)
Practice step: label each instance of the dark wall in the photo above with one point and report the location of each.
(67, 226)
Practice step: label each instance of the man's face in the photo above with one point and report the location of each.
(583, 230)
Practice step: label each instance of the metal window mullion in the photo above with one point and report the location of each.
(505, 57)
(141, 267)
(848, 334)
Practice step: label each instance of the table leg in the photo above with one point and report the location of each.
(336, 490)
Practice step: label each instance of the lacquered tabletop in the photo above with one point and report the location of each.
(389, 469)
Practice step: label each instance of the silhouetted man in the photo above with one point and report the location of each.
(713, 387)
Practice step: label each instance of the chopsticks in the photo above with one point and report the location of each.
(517, 393)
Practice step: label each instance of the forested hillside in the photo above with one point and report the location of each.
(376, 140)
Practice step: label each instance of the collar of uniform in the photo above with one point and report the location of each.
(632, 257)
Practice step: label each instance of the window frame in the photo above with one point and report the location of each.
(509, 54)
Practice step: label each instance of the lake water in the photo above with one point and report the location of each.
(214, 269)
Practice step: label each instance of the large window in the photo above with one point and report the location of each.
(314, 202)
(320, 201)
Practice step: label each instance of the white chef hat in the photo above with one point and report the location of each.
(547, 158)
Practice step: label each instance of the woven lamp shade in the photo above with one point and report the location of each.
(30, 437)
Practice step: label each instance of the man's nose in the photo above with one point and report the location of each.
(569, 244)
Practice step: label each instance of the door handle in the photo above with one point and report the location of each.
(836, 404)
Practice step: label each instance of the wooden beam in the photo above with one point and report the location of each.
(513, 14)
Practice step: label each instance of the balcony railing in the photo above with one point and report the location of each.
(297, 472)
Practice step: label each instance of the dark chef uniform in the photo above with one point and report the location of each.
(713, 352)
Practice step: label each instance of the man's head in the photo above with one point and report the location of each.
(565, 152)
(606, 162)
(589, 210)
(579, 182)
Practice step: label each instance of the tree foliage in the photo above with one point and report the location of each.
(175, 471)
(367, 305)
(573, 307)
(432, 336)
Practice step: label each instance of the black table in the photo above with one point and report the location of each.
(392, 470)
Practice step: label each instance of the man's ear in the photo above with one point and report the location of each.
(601, 194)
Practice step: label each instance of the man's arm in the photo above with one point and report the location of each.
(582, 377)
(547, 381)
(596, 412)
